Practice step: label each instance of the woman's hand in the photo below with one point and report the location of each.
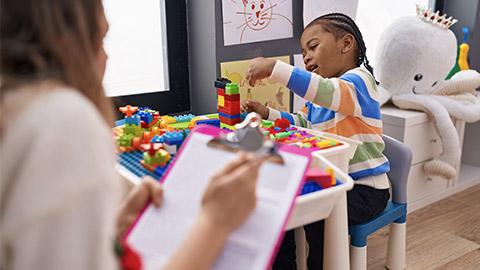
(148, 190)
(251, 105)
(258, 69)
(230, 196)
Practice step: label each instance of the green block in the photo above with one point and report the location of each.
(125, 140)
(231, 89)
(212, 116)
(135, 130)
(282, 135)
(181, 125)
(267, 124)
(222, 125)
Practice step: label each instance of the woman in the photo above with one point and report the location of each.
(60, 197)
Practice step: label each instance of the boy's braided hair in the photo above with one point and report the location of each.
(338, 24)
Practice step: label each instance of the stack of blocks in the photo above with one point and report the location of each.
(132, 126)
(228, 103)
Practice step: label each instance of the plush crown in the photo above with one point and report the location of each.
(435, 18)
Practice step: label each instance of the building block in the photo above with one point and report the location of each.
(146, 116)
(221, 83)
(132, 120)
(184, 118)
(159, 158)
(128, 110)
(180, 126)
(232, 104)
(210, 122)
(226, 126)
(231, 88)
(120, 122)
(173, 138)
(156, 139)
(234, 97)
(131, 161)
(151, 148)
(309, 187)
(132, 129)
(321, 177)
(229, 121)
(154, 122)
(229, 111)
(282, 123)
(171, 149)
(125, 140)
(221, 101)
(230, 116)
(168, 119)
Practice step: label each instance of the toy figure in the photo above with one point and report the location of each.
(414, 56)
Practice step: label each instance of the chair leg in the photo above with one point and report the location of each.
(300, 245)
(358, 258)
(396, 246)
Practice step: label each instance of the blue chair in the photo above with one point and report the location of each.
(395, 213)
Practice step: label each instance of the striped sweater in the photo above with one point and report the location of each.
(347, 106)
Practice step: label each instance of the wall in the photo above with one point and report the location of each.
(206, 49)
(467, 12)
(201, 41)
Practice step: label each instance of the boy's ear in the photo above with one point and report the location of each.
(348, 43)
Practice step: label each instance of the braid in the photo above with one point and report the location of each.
(345, 23)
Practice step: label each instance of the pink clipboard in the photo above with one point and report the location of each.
(141, 233)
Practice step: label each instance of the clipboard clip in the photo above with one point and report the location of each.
(248, 136)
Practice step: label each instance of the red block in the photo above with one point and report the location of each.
(234, 97)
(229, 111)
(232, 104)
(282, 123)
(318, 175)
(229, 121)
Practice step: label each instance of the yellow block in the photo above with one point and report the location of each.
(221, 101)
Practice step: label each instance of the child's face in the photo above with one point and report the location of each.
(322, 54)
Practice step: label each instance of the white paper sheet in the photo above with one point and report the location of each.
(315, 8)
(246, 21)
(160, 231)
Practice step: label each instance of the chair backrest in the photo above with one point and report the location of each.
(400, 158)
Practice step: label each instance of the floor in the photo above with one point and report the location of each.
(443, 235)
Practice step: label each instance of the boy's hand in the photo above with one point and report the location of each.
(251, 105)
(259, 68)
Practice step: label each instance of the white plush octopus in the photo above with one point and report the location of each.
(414, 55)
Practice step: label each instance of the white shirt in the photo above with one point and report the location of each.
(59, 190)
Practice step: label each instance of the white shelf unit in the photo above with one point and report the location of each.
(416, 130)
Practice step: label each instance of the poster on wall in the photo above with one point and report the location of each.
(266, 91)
(246, 21)
(315, 8)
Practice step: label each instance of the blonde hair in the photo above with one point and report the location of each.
(43, 40)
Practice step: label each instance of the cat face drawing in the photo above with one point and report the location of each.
(258, 14)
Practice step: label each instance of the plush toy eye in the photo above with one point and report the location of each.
(418, 77)
(434, 83)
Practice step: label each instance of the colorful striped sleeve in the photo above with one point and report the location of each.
(351, 94)
(298, 119)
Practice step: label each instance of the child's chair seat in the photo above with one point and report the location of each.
(400, 158)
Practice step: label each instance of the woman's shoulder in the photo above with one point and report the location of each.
(51, 103)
